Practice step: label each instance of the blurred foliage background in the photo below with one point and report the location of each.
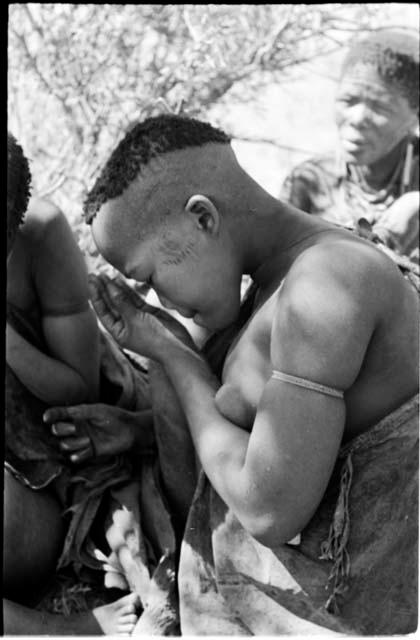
(79, 75)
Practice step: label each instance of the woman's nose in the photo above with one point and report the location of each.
(170, 306)
(359, 115)
(166, 303)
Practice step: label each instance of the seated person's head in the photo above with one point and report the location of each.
(378, 95)
(18, 188)
(164, 211)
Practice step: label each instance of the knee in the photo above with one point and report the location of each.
(33, 534)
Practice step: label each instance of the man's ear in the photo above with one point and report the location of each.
(204, 212)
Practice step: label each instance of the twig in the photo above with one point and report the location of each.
(55, 186)
(273, 142)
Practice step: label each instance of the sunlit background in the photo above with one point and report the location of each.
(80, 74)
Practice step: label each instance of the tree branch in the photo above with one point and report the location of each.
(273, 142)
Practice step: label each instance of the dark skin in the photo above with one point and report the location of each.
(94, 430)
(331, 309)
(91, 430)
(37, 279)
(35, 283)
(374, 121)
(239, 396)
(67, 371)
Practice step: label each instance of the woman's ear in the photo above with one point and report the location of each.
(204, 212)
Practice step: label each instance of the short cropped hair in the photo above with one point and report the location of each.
(18, 188)
(394, 53)
(145, 140)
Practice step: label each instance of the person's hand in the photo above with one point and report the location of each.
(133, 323)
(90, 430)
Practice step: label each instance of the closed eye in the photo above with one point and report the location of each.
(131, 275)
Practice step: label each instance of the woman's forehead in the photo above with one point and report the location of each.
(113, 231)
(127, 212)
(365, 79)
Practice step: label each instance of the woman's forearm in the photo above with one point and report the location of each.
(261, 495)
(220, 445)
(51, 381)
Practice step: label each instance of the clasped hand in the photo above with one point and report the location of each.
(133, 323)
(89, 431)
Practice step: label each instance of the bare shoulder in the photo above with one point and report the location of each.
(44, 221)
(344, 265)
(333, 299)
(42, 212)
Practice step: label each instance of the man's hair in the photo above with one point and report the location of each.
(394, 53)
(18, 188)
(145, 140)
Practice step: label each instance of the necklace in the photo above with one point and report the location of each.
(402, 171)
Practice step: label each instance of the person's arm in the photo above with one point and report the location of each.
(398, 226)
(69, 372)
(274, 478)
(49, 379)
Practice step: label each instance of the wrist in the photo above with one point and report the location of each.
(174, 350)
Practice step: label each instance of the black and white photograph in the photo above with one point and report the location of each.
(212, 320)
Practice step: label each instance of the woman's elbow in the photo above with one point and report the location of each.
(81, 391)
(77, 395)
(272, 530)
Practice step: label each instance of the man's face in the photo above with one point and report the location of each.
(372, 117)
(190, 271)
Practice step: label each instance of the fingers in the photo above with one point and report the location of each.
(115, 292)
(63, 429)
(78, 412)
(106, 288)
(78, 448)
(82, 455)
(101, 298)
(74, 444)
(119, 291)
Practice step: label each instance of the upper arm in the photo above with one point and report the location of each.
(74, 341)
(69, 324)
(59, 269)
(325, 318)
(320, 332)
